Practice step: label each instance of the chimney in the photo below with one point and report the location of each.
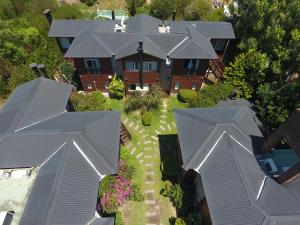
(113, 15)
(48, 15)
(174, 15)
(33, 66)
(41, 69)
(140, 51)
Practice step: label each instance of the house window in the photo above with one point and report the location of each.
(89, 86)
(191, 65)
(131, 66)
(106, 84)
(150, 66)
(92, 66)
(194, 86)
(177, 85)
(219, 45)
(64, 42)
(132, 87)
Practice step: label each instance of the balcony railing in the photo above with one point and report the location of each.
(93, 70)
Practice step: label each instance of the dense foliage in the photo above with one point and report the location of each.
(147, 118)
(150, 101)
(269, 61)
(186, 95)
(173, 192)
(24, 39)
(211, 95)
(132, 5)
(88, 102)
(161, 9)
(116, 88)
(114, 191)
(89, 2)
(69, 71)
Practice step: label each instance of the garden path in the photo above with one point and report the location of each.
(147, 152)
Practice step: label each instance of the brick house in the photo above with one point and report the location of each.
(174, 54)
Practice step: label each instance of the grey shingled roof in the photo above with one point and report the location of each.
(98, 39)
(236, 189)
(73, 149)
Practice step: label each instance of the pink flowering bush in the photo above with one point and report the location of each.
(116, 190)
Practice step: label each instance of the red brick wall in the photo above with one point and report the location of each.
(97, 81)
(186, 82)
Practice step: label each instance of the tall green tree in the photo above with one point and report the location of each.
(269, 57)
(161, 9)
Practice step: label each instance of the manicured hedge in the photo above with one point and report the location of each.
(147, 118)
(186, 95)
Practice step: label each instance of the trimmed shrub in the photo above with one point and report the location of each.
(211, 95)
(90, 102)
(179, 221)
(116, 88)
(147, 118)
(173, 192)
(186, 95)
(148, 102)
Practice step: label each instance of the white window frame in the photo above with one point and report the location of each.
(194, 86)
(177, 85)
(134, 66)
(150, 66)
(64, 42)
(220, 44)
(95, 69)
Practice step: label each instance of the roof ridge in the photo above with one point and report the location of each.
(24, 106)
(56, 185)
(101, 157)
(103, 43)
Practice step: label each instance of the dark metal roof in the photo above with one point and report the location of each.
(103, 221)
(199, 129)
(65, 191)
(98, 39)
(236, 189)
(73, 150)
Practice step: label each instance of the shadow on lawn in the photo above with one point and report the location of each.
(168, 165)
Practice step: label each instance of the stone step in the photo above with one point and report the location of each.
(155, 138)
(162, 128)
(149, 182)
(149, 164)
(131, 123)
(148, 148)
(132, 151)
(140, 155)
(141, 161)
(147, 142)
(169, 127)
(150, 202)
(141, 131)
(149, 214)
(148, 156)
(163, 116)
(164, 122)
(149, 173)
(137, 127)
(157, 132)
(149, 191)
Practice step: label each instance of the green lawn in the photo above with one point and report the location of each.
(167, 144)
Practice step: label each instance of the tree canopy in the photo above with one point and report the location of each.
(268, 63)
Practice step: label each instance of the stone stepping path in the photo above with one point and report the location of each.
(141, 131)
(164, 122)
(137, 127)
(154, 137)
(161, 127)
(147, 142)
(140, 155)
(157, 132)
(174, 125)
(151, 173)
(148, 156)
(125, 121)
(133, 151)
(149, 164)
(163, 116)
(141, 161)
(169, 127)
(130, 125)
